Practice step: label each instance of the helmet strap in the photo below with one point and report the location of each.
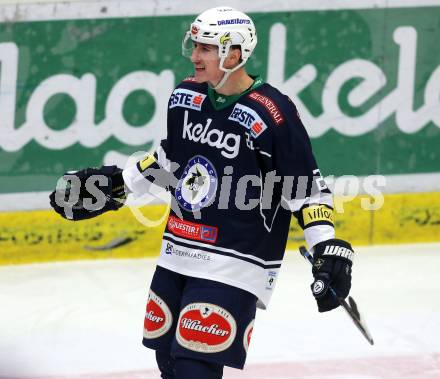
(223, 80)
(227, 73)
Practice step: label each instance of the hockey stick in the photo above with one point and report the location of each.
(350, 307)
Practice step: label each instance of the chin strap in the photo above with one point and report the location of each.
(228, 71)
(222, 82)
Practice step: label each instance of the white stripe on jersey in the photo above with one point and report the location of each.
(236, 272)
(213, 247)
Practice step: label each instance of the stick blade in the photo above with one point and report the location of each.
(354, 307)
(360, 322)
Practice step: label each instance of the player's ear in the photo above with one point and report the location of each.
(234, 57)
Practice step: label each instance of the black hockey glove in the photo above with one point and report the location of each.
(88, 193)
(332, 267)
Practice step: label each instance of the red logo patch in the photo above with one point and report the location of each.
(192, 230)
(194, 29)
(206, 328)
(269, 105)
(257, 128)
(197, 100)
(158, 318)
(248, 335)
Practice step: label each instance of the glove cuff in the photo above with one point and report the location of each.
(119, 189)
(334, 248)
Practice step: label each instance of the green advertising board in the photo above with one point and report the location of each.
(83, 92)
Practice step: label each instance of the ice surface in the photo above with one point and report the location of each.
(84, 319)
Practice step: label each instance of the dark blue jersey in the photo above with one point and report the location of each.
(241, 165)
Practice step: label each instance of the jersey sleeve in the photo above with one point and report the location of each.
(304, 191)
(152, 172)
(149, 174)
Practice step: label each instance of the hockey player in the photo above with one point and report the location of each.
(244, 165)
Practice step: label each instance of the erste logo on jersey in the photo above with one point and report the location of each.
(248, 118)
(198, 184)
(191, 230)
(206, 328)
(186, 98)
(158, 318)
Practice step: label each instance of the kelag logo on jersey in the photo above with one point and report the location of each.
(198, 184)
(186, 98)
(228, 143)
(248, 118)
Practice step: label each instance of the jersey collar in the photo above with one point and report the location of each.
(220, 101)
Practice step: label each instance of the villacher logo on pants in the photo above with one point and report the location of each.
(158, 318)
(205, 328)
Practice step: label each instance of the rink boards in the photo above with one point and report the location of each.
(43, 236)
(365, 76)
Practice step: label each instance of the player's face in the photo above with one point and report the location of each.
(206, 63)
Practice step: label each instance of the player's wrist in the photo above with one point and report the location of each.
(119, 190)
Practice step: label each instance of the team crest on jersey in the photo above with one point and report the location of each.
(186, 98)
(197, 185)
(158, 318)
(248, 118)
(248, 335)
(205, 328)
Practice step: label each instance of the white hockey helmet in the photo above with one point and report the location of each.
(223, 27)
